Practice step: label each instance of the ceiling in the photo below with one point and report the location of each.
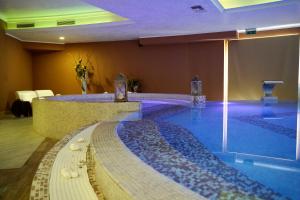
(145, 18)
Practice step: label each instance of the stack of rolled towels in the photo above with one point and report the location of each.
(67, 172)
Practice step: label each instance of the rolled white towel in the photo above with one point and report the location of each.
(65, 172)
(80, 140)
(74, 147)
(68, 173)
(74, 174)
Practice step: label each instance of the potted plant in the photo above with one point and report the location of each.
(82, 72)
(134, 85)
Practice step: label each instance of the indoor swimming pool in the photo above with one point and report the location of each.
(240, 150)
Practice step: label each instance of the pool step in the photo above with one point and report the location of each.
(260, 161)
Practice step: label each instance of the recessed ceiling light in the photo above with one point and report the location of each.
(61, 37)
(229, 4)
(197, 8)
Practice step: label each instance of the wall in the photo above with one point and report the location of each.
(161, 68)
(15, 67)
(254, 60)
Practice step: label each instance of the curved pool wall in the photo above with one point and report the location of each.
(56, 116)
(131, 97)
(256, 159)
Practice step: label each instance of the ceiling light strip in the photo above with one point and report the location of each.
(231, 4)
(225, 83)
(225, 98)
(298, 113)
(271, 28)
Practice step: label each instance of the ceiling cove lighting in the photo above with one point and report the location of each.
(74, 19)
(270, 31)
(269, 28)
(230, 4)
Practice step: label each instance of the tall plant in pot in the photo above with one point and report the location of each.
(82, 73)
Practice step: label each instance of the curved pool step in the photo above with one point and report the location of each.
(122, 175)
(48, 183)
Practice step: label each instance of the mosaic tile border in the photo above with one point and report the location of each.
(40, 183)
(122, 175)
(91, 170)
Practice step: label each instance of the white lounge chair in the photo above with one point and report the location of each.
(44, 93)
(26, 95)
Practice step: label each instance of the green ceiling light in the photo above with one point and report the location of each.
(2, 17)
(58, 18)
(229, 4)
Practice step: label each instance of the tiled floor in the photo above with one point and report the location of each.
(16, 183)
(18, 141)
(21, 150)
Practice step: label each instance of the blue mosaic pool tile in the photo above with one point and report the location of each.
(184, 142)
(200, 170)
(153, 150)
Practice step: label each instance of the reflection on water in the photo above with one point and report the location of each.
(259, 166)
(261, 141)
(225, 126)
(298, 132)
(195, 114)
(267, 112)
(267, 120)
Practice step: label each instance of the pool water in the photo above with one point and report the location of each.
(240, 149)
(260, 140)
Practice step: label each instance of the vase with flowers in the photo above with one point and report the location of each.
(82, 74)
